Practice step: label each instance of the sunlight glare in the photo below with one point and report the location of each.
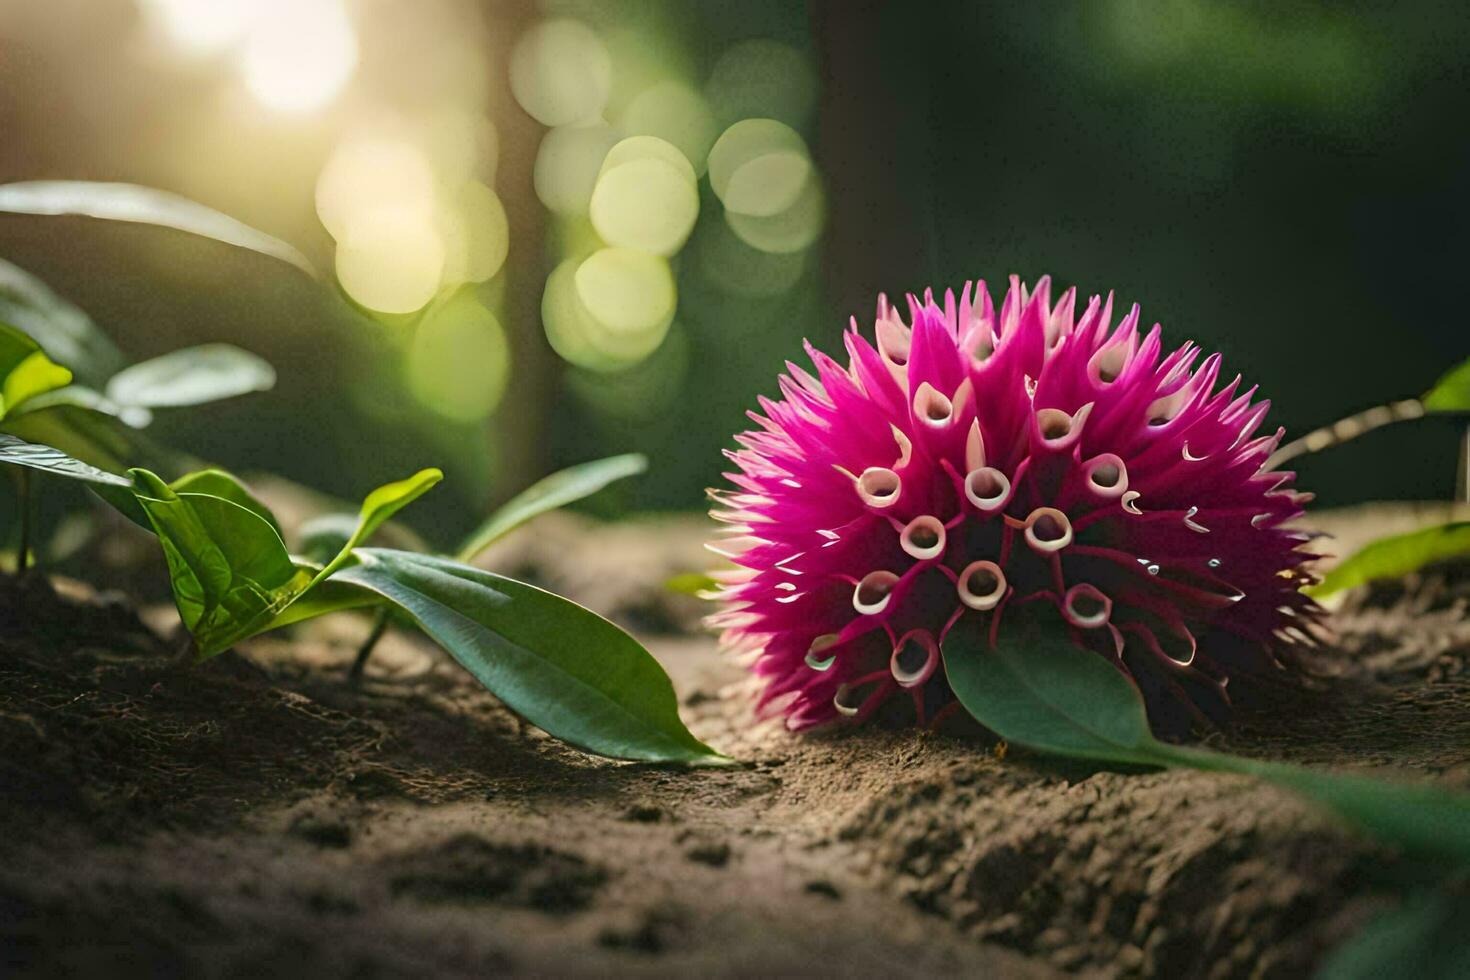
(201, 27)
(391, 259)
(299, 54)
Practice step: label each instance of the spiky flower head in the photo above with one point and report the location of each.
(970, 461)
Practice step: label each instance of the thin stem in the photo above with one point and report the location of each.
(186, 650)
(1351, 427)
(380, 626)
(1462, 472)
(22, 561)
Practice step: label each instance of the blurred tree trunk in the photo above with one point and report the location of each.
(871, 121)
(518, 442)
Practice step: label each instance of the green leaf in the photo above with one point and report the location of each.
(65, 333)
(556, 490)
(323, 598)
(1450, 393)
(25, 370)
(93, 437)
(560, 666)
(1421, 819)
(1428, 937)
(54, 461)
(377, 507)
(1395, 556)
(88, 399)
(218, 483)
(112, 488)
(325, 537)
(1036, 688)
(191, 376)
(143, 205)
(228, 567)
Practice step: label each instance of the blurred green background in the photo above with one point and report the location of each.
(1284, 182)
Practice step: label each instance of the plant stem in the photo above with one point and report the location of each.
(22, 561)
(380, 626)
(186, 650)
(1462, 471)
(1351, 427)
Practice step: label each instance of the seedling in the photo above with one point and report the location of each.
(550, 493)
(560, 666)
(39, 396)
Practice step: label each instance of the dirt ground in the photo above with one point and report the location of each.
(259, 816)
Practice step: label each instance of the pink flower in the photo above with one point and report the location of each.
(973, 461)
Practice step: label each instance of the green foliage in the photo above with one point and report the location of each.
(1450, 393)
(143, 205)
(18, 452)
(555, 491)
(87, 399)
(321, 538)
(562, 667)
(218, 483)
(191, 376)
(112, 488)
(230, 572)
(377, 507)
(65, 333)
(25, 370)
(1395, 556)
(66, 424)
(1036, 688)
(332, 595)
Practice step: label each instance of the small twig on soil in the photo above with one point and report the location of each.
(380, 626)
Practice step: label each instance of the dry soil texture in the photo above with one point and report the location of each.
(260, 816)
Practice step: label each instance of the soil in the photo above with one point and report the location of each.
(260, 815)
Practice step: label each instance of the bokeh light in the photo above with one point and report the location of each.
(792, 230)
(298, 54)
(372, 172)
(736, 268)
(759, 167)
(462, 145)
(391, 259)
(567, 164)
(610, 310)
(763, 78)
(561, 73)
(201, 27)
(644, 55)
(642, 147)
(627, 291)
(645, 200)
(639, 394)
(476, 234)
(674, 112)
(459, 361)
